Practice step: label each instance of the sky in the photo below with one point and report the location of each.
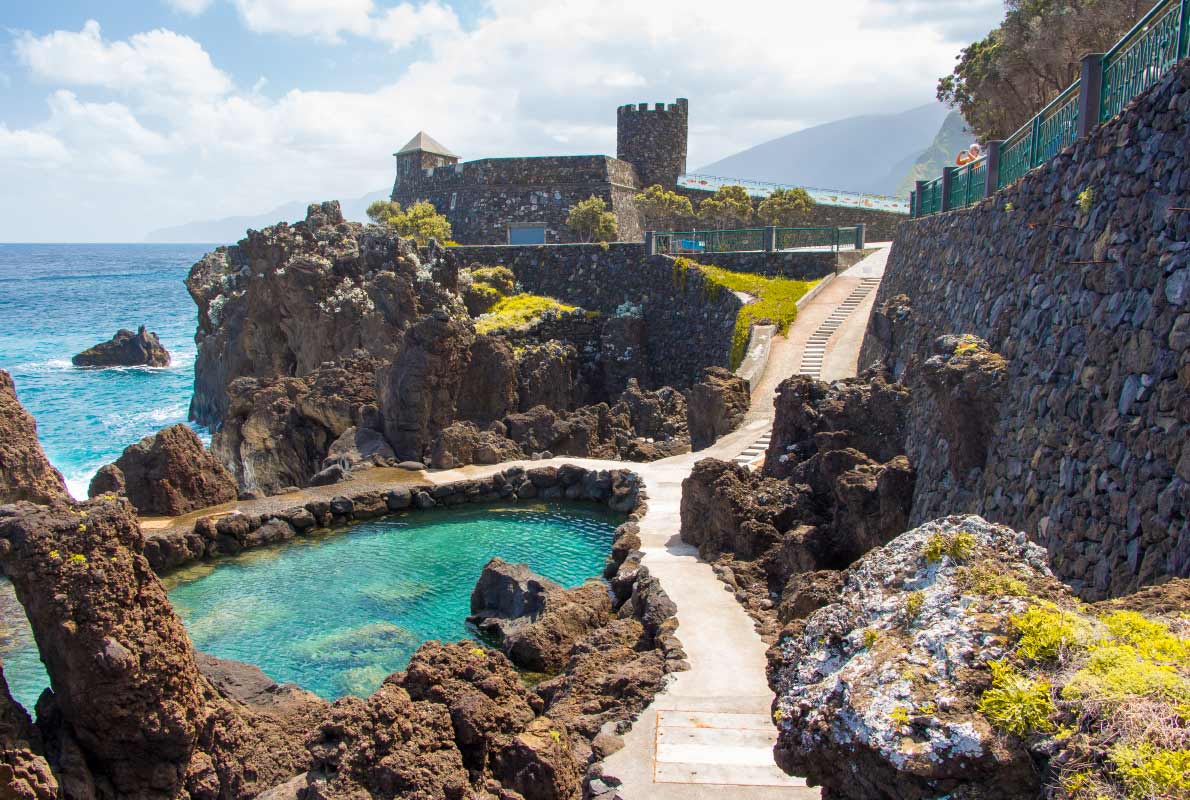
(123, 116)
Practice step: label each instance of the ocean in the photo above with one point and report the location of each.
(59, 299)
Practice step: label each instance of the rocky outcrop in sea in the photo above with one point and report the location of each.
(126, 349)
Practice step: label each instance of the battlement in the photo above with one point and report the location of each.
(682, 106)
(654, 140)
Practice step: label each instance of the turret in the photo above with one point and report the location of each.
(654, 140)
(419, 154)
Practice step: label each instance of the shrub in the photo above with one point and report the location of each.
(662, 208)
(1147, 771)
(987, 580)
(786, 207)
(1151, 638)
(956, 545)
(913, 603)
(1047, 631)
(591, 221)
(1118, 673)
(480, 297)
(519, 311)
(871, 636)
(727, 207)
(1086, 199)
(899, 717)
(420, 221)
(1016, 704)
(500, 278)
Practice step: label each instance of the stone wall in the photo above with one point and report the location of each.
(481, 198)
(687, 327)
(799, 266)
(1087, 296)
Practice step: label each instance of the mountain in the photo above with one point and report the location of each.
(232, 229)
(870, 153)
(952, 137)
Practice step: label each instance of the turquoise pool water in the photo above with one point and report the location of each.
(337, 613)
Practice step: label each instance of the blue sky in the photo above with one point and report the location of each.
(126, 116)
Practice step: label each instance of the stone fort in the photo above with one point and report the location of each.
(526, 200)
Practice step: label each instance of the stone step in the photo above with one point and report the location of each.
(714, 748)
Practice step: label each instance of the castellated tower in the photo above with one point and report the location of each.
(654, 140)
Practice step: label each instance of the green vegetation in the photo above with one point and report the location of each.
(871, 636)
(728, 207)
(1124, 699)
(421, 220)
(1016, 704)
(957, 546)
(776, 299)
(1011, 74)
(518, 311)
(1047, 632)
(786, 207)
(913, 603)
(899, 717)
(988, 580)
(591, 221)
(1147, 771)
(661, 209)
(1086, 199)
(499, 278)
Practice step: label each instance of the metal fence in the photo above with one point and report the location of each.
(1108, 81)
(770, 239)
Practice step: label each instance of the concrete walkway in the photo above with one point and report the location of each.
(709, 733)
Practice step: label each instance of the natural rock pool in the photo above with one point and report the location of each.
(336, 613)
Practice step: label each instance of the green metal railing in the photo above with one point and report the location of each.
(1143, 56)
(756, 239)
(930, 200)
(1146, 54)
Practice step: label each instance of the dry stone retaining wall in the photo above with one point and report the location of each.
(1089, 301)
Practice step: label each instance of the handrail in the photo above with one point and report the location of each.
(1133, 64)
(770, 238)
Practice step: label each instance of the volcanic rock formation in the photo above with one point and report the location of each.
(25, 472)
(130, 713)
(717, 406)
(167, 474)
(126, 349)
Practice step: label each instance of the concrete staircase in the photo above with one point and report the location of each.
(755, 450)
(815, 350)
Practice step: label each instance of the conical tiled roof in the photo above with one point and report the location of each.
(426, 143)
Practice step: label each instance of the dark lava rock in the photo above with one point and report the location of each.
(716, 406)
(129, 700)
(358, 446)
(25, 472)
(169, 473)
(536, 621)
(126, 349)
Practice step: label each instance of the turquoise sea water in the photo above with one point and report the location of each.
(59, 299)
(337, 613)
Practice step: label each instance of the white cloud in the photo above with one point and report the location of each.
(31, 149)
(157, 62)
(398, 26)
(179, 141)
(191, 7)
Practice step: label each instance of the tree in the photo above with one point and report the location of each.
(786, 207)
(1005, 78)
(381, 210)
(662, 209)
(421, 220)
(591, 221)
(729, 206)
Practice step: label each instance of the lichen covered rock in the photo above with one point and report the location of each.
(877, 693)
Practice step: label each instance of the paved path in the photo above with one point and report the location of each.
(708, 734)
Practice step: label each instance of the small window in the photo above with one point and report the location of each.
(520, 233)
(454, 197)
